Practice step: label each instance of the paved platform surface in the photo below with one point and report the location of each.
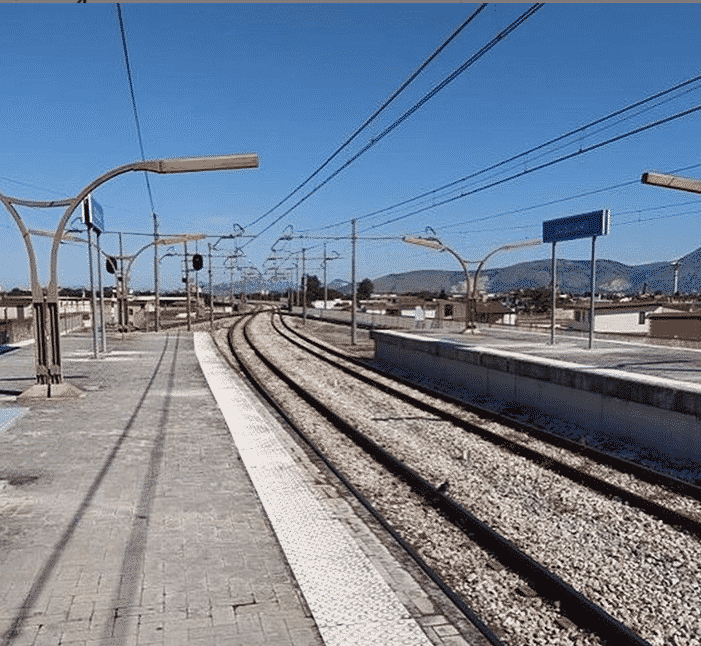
(130, 517)
(681, 364)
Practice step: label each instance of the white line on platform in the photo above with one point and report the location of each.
(350, 601)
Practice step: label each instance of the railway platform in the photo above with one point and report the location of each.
(640, 395)
(168, 506)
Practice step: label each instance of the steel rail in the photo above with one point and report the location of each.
(672, 484)
(573, 604)
(599, 485)
(457, 600)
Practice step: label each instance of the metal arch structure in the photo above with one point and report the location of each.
(160, 242)
(506, 247)
(47, 351)
(49, 370)
(435, 243)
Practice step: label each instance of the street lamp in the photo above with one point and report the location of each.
(435, 243)
(680, 183)
(672, 181)
(49, 372)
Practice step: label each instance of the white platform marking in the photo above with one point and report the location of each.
(350, 601)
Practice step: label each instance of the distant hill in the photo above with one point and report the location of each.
(572, 277)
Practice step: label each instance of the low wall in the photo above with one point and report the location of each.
(655, 412)
(16, 330)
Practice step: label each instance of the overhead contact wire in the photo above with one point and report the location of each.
(540, 167)
(522, 154)
(133, 103)
(377, 112)
(521, 19)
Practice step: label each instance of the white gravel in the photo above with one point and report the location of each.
(641, 571)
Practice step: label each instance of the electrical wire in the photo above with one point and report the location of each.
(377, 112)
(133, 103)
(540, 167)
(522, 154)
(569, 198)
(499, 37)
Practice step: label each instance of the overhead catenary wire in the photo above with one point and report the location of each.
(552, 162)
(133, 102)
(499, 37)
(376, 113)
(525, 153)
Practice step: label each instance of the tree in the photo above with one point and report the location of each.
(365, 288)
(315, 290)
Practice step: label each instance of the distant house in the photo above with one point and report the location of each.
(491, 312)
(624, 318)
(676, 325)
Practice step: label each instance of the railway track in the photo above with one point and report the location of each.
(597, 470)
(553, 597)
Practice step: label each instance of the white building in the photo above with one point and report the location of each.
(624, 318)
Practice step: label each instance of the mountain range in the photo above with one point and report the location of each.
(572, 278)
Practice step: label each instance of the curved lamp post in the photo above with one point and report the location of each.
(49, 372)
(506, 247)
(435, 243)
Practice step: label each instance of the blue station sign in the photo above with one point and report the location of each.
(93, 215)
(585, 225)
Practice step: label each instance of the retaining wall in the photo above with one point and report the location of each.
(656, 412)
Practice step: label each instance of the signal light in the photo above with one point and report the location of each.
(111, 265)
(197, 261)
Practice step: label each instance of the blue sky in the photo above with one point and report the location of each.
(293, 82)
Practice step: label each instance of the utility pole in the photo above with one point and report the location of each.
(187, 289)
(211, 297)
(353, 300)
(121, 296)
(92, 297)
(102, 295)
(304, 288)
(326, 289)
(157, 304)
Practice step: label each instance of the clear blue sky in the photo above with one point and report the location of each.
(292, 82)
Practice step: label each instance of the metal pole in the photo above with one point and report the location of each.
(102, 296)
(297, 281)
(197, 289)
(304, 287)
(591, 304)
(231, 287)
(187, 289)
(211, 297)
(157, 308)
(92, 299)
(326, 289)
(553, 270)
(676, 278)
(122, 299)
(353, 286)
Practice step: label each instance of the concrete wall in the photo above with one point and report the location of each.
(656, 412)
(16, 330)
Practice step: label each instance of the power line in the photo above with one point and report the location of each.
(569, 198)
(377, 112)
(523, 154)
(133, 102)
(499, 37)
(582, 151)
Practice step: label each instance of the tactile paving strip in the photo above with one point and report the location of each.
(350, 601)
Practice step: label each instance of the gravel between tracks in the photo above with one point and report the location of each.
(641, 571)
